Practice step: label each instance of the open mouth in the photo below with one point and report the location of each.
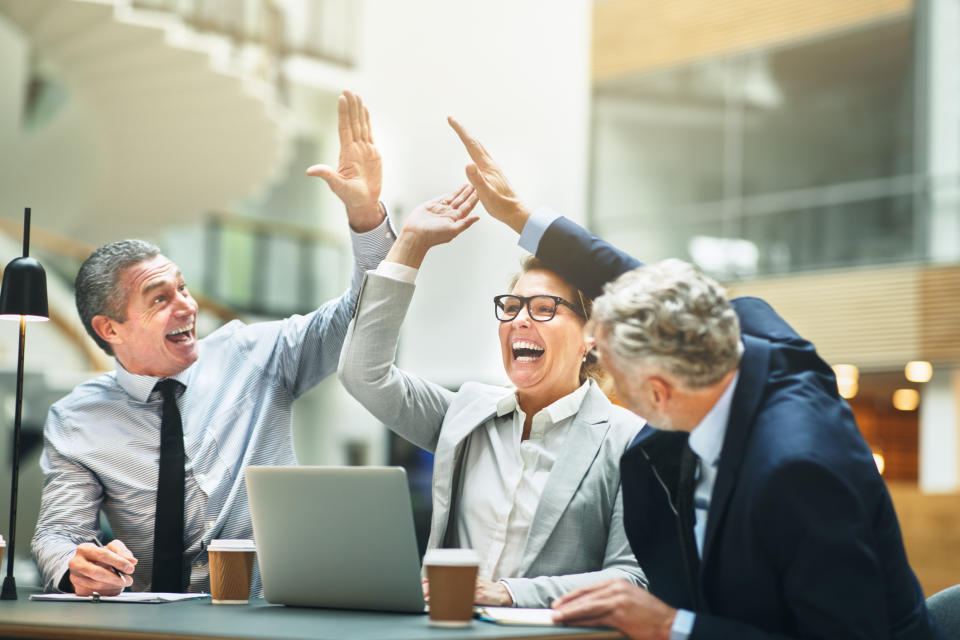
(526, 351)
(182, 334)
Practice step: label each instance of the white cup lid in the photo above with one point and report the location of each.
(2, 542)
(451, 557)
(231, 545)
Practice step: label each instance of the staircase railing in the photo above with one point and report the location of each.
(321, 29)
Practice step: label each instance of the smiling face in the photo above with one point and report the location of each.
(158, 337)
(542, 359)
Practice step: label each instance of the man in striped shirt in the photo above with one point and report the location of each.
(234, 392)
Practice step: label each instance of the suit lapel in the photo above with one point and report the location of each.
(661, 450)
(583, 441)
(754, 369)
(448, 458)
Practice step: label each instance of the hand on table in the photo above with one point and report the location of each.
(359, 175)
(488, 593)
(492, 186)
(492, 594)
(92, 568)
(618, 604)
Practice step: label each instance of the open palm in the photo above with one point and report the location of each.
(442, 219)
(359, 175)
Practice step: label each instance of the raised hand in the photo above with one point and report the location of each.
(359, 175)
(496, 194)
(434, 222)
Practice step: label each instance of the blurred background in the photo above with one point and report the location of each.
(804, 151)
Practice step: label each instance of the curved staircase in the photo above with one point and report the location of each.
(109, 129)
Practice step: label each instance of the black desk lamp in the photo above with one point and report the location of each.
(23, 297)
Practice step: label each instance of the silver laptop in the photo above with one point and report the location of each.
(339, 537)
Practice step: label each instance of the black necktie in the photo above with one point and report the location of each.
(686, 520)
(168, 528)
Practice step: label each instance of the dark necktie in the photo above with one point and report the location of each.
(686, 519)
(168, 527)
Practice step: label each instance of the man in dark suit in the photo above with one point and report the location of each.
(769, 519)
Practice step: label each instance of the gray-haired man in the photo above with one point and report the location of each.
(226, 398)
(769, 520)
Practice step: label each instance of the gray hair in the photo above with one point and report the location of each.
(670, 316)
(97, 284)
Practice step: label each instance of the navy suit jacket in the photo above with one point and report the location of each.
(802, 540)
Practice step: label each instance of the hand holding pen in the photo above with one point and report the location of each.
(102, 569)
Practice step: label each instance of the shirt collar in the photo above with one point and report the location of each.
(550, 415)
(706, 439)
(140, 387)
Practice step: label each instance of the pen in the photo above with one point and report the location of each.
(120, 574)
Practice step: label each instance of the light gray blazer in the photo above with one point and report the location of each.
(577, 534)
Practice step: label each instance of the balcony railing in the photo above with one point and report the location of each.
(321, 29)
(271, 268)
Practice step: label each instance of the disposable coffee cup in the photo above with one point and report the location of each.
(3, 547)
(453, 577)
(231, 568)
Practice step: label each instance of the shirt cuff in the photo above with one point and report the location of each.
(513, 598)
(397, 271)
(536, 226)
(370, 247)
(63, 584)
(682, 625)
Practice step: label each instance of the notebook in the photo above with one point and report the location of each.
(338, 537)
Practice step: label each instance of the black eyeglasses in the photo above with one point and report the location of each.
(540, 308)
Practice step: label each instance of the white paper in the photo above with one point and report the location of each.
(517, 615)
(126, 596)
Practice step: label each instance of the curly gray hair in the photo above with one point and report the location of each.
(670, 316)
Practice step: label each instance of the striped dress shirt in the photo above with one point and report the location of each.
(102, 441)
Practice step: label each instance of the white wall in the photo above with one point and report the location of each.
(517, 74)
(943, 129)
(940, 432)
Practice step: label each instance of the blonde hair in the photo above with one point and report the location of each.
(590, 367)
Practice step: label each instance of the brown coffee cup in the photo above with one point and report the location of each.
(231, 569)
(3, 547)
(453, 577)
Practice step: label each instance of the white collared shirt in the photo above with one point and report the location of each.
(706, 440)
(504, 478)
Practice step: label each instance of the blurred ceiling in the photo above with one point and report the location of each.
(632, 37)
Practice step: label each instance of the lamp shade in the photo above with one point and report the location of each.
(24, 291)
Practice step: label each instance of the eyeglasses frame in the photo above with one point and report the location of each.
(526, 300)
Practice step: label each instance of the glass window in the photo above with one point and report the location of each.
(770, 161)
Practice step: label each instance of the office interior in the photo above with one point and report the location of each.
(807, 152)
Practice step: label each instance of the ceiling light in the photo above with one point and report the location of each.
(918, 371)
(878, 459)
(906, 399)
(848, 377)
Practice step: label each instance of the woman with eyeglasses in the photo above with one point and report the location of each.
(527, 476)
